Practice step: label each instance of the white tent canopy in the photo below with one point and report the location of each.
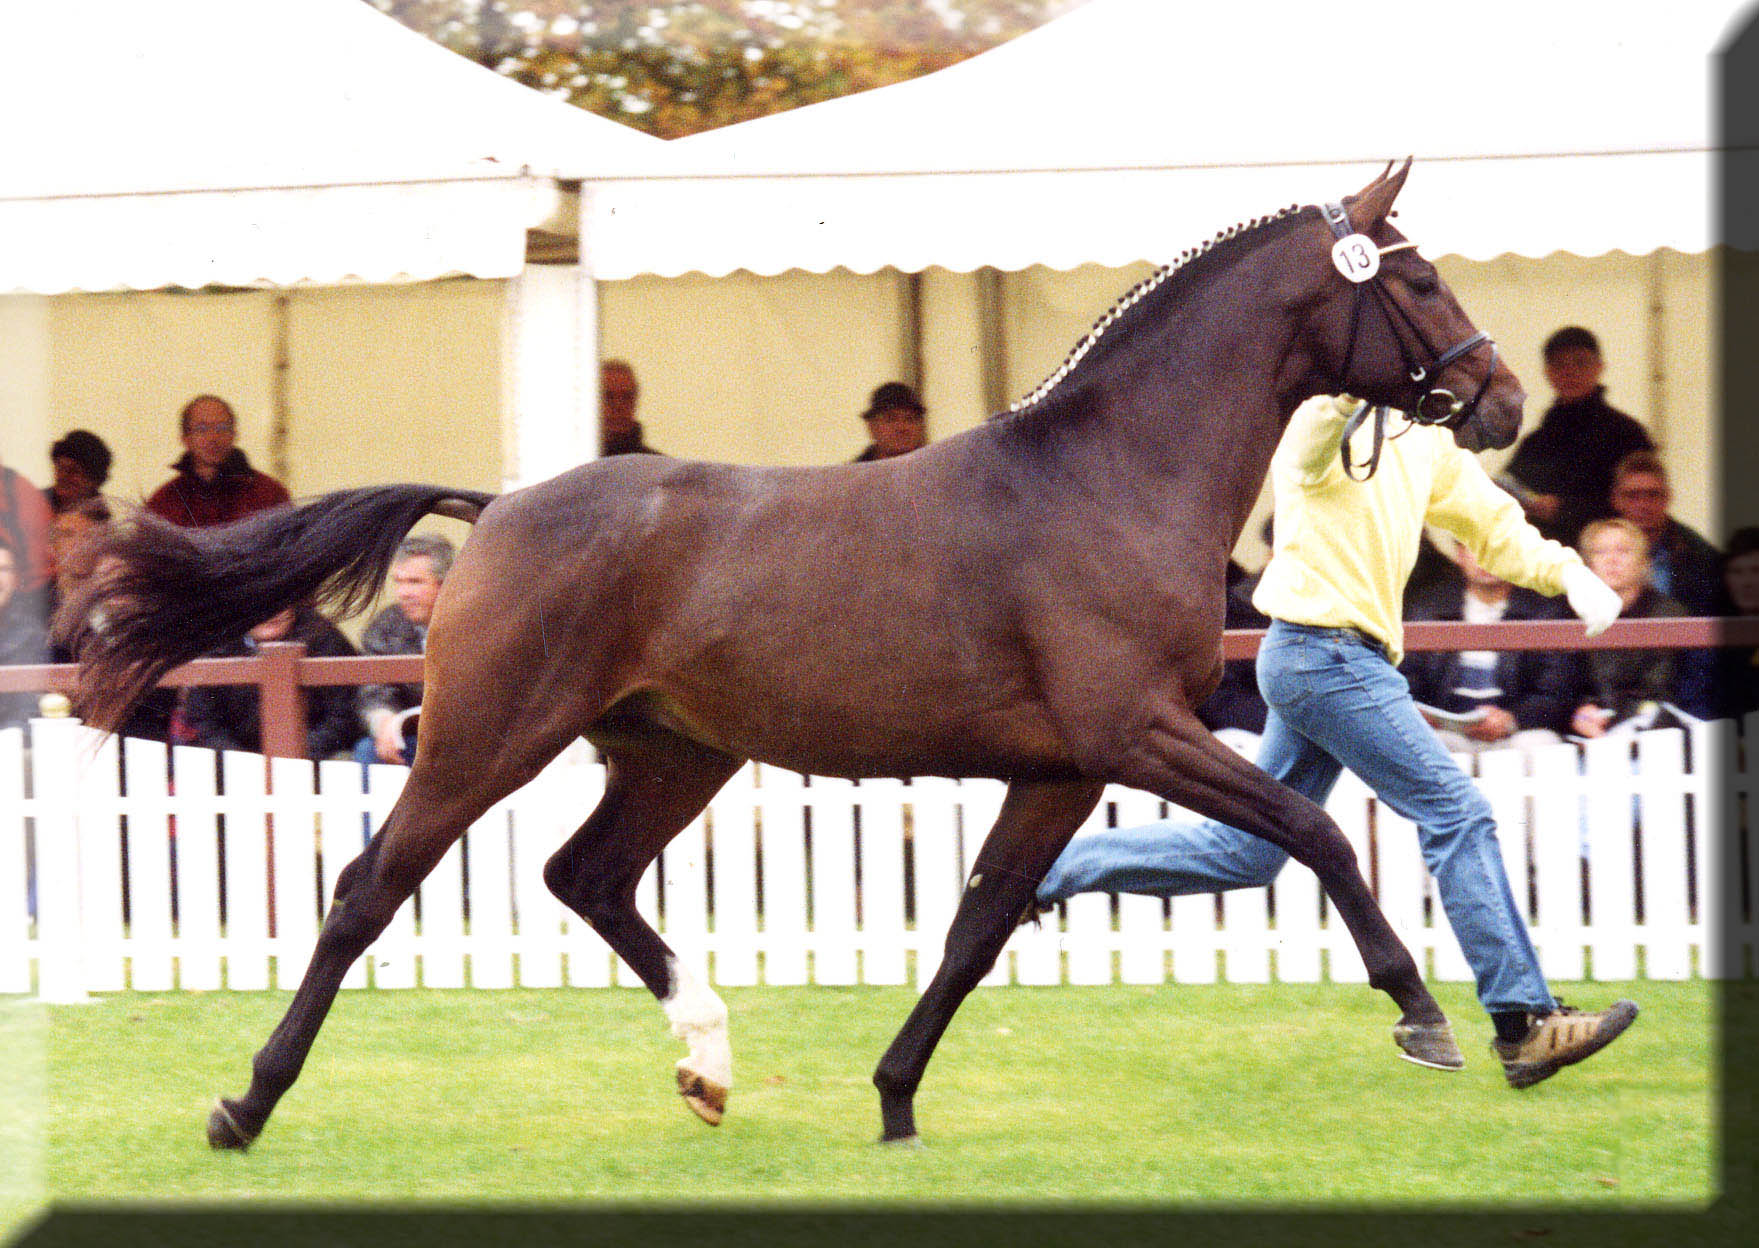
(1128, 129)
(240, 142)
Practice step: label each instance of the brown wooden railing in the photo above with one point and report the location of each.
(282, 671)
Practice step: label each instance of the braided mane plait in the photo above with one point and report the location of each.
(1136, 295)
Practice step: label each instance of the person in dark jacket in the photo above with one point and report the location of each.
(215, 483)
(1682, 564)
(619, 432)
(81, 462)
(418, 570)
(1518, 698)
(1628, 687)
(897, 422)
(229, 717)
(1562, 471)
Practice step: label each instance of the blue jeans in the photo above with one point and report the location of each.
(1336, 702)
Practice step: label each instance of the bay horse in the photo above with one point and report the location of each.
(1038, 600)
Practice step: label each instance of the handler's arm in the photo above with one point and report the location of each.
(1468, 504)
(1308, 452)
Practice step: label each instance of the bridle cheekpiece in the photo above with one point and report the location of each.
(1357, 258)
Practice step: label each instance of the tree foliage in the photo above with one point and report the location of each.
(676, 67)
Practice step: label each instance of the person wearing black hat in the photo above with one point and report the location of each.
(82, 465)
(897, 422)
(619, 432)
(1562, 471)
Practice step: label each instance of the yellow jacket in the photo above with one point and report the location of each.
(1345, 548)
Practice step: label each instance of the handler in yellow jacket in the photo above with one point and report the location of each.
(1343, 550)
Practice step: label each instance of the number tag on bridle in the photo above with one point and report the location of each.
(1356, 257)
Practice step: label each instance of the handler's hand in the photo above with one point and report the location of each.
(1591, 598)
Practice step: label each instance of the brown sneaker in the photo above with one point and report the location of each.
(1561, 1038)
(1428, 1044)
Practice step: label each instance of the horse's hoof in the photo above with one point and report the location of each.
(903, 1141)
(224, 1131)
(706, 1098)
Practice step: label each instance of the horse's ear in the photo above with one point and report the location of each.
(1374, 201)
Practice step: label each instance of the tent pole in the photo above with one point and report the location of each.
(912, 363)
(992, 339)
(1655, 316)
(280, 432)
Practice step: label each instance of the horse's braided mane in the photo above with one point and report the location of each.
(1184, 269)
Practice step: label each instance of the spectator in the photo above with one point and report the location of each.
(897, 422)
(1435, 572)
(417, 573)
(1235, 712)
(1737, 676)
(154, 715)
(23, 638)
(1562, 471)
(215, 483)
(68, 533)
(1520, 698)
(24, 526)
(1681, 563)
(1628, 687)
(229, 717)
(81, 463)
(619, 432)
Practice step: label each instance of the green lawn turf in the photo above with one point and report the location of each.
(1222, 1096)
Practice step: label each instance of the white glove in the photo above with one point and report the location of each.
(1591, 598)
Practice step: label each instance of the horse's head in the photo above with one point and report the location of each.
(1386, 328)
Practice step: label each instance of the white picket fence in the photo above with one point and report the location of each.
(147, 885)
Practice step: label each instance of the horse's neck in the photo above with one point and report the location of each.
(1206, 437)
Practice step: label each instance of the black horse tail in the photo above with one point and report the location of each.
(161, 595)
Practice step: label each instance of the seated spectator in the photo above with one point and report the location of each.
(153, 717)
(1516, 698)
(1562, 472)
(1737, 677)
(417, 572)
(24, 524)
(82, 464)
(1628, 687)
(1235, 712)
(70, 530)
(215, 483)
(897, 422)
(1434, 573)
(619, 432)
(23, 638)
(229, 717)
(1682, 564)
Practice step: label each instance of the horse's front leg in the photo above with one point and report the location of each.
(1036, 822)
(1178, 759)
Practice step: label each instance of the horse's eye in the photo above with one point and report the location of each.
(1425, 284)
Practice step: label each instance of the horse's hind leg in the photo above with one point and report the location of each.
(1180, 760)
(419, 830)
(446, 792)
(1036, 822)
(657, 784)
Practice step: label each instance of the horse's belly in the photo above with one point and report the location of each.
(878, 738)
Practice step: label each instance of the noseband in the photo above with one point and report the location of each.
(1430, 404)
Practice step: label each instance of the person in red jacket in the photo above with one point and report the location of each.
(215, 483)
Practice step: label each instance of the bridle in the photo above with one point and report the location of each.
(1431, 404)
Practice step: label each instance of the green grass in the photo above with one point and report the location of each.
(1215, 1096)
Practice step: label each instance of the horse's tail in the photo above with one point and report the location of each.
(162, 595)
